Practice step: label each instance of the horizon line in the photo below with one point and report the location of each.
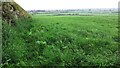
(72, 9)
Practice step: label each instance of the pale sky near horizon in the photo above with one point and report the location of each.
(66, 4)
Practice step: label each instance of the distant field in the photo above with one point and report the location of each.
(85, 13)
(66, 41)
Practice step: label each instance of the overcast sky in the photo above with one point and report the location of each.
(66, 4)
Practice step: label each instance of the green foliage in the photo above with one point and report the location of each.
(61, 41)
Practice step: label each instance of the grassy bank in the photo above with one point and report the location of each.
(62, 41)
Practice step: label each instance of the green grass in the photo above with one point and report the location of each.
(62, 41)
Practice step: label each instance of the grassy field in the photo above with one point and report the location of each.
(62, 41)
